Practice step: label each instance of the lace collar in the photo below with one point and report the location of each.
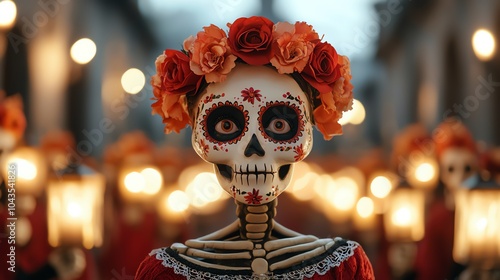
(341, 251)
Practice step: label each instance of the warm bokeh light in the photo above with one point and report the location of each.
(322, 184)
(83, 51)
(140, 183)
(483, 44)
(134, 182)
(425, 172)
(8, 13)
(178, 201)
(401, 217)
(365, 207)
(26, 169)
(381, 186)
(153, 180)
(204, 189)
(31, 169)
(74, 209)
(302, 187)
(344, 194)
(133, 81)
(355, 116)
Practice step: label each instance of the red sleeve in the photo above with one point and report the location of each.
(152, 269)
(356, 267)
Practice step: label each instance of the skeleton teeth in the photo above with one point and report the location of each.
(241, 175)
(247, 172)
(265, 171)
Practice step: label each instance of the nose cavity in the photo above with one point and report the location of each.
(254, 147)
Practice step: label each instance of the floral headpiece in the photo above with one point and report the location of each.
(294, 49)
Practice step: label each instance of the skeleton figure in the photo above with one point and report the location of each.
(457, 156)
(253, 122)
(253, 128)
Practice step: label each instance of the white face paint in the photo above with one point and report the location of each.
(457, 164)
(253, 127)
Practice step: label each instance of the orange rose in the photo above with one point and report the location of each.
(292, 46)
(323, 68)
(171, 107)
(174, 74)
(210, 54)
(175, 114)
(334, 103)
(250, 39)
(342, 89)
(326, 121)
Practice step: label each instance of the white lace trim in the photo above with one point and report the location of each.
(322, 267)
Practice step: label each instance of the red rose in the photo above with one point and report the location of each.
(250, 39)
(323, 69)
(176, 76)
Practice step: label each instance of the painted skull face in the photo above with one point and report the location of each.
(457, 164)
(253, 127)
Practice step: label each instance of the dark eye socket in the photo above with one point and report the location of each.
(280, 122)
(451, 169)
(467, 168)
(225, 123)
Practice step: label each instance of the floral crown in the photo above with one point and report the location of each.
(294, 49)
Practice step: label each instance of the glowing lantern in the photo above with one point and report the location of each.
(75, 208)
(477, 226)
(31, 170)
(140, 184)
(404, 219)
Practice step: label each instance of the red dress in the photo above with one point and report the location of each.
(434, 260)
(345, 260)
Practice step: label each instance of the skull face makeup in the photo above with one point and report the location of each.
(253, 127)
(457, 165)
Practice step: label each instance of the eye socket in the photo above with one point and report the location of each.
(278, 126)
(226, 126)
(451, 169)
(467, 168)
(225, 123)
(280, 122)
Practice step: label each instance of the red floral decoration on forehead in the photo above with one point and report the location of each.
(289, 48)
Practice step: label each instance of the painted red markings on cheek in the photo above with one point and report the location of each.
(299, 153)
(282, 148)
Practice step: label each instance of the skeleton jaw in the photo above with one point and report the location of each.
(253, 174)
(255, 183)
